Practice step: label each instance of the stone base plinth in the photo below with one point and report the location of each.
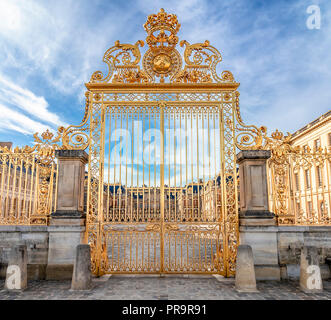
(263, 240)
(64, 237)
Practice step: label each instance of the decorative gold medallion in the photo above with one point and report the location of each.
(162, 63)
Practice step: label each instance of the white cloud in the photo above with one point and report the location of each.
(281, 69)
(27, 101)
(16, 121)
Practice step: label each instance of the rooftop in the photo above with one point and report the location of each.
(323, 118)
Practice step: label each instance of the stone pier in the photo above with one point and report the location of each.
(67, 225)
(257, 225)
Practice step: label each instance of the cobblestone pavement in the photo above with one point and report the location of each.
(165, 288)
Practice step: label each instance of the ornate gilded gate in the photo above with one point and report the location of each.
(162, 181)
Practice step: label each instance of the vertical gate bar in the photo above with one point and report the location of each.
(33, 175)
(323, 188)
(149, 165)
(162, 188)
(143, 215)
(126, 168)
(234, 173)
(217, 213)
(19, 209)
(198, 114)
(181, 165)
(291, 190)
(224, 188)
(168, 214)
(209, 179)
(100, 193)
(36, 194)
(311, 194)
(295, 210)
(89, 172)
(11, 212)
(6, 211)
(203, 166)
(120, 174)
(316, 193)
(192, 174)
(321, 170)
(56, 181)
(186, 168)
(138, 117)
(108, 173)
(175, 185)
(132, 150)
(155, 206)
(114, 177)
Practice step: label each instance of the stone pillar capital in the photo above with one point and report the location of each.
(72, 155)
(253, 155)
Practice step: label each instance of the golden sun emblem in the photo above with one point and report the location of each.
(162, 63)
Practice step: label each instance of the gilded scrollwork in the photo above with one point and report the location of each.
(123, 65)
(287, 161)
(77, 137)
(201, 61)
(248, 137)
(162, 60)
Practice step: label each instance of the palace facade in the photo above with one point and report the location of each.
(312, 185)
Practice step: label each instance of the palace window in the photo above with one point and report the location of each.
(319, 176)
(307, 175)
(317, 143)
(309, 207)
(305, 148)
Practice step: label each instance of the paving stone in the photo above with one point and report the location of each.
(116, 288)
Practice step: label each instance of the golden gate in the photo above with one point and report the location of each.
(162, 184)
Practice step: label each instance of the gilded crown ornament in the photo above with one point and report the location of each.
(162, 60)
(162, 29)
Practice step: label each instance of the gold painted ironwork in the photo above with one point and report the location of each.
(178, 214)
(295, 197)
(28, 182)
(171, 204)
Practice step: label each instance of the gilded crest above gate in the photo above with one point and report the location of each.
(162, 60)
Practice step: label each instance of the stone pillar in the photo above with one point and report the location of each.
(17, 270)
(310, 272)
(70, 186)
(82, 278)
(67, 226)
(257, 224)
(245, 273)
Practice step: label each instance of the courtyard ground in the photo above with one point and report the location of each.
(163, 288)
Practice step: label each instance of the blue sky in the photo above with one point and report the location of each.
(49, 49)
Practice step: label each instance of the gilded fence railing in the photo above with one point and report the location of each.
(299, 182)
(28, 181)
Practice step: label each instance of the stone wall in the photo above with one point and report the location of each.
(36, 240)
(288, 239)
(279, 247)
(291, 239)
